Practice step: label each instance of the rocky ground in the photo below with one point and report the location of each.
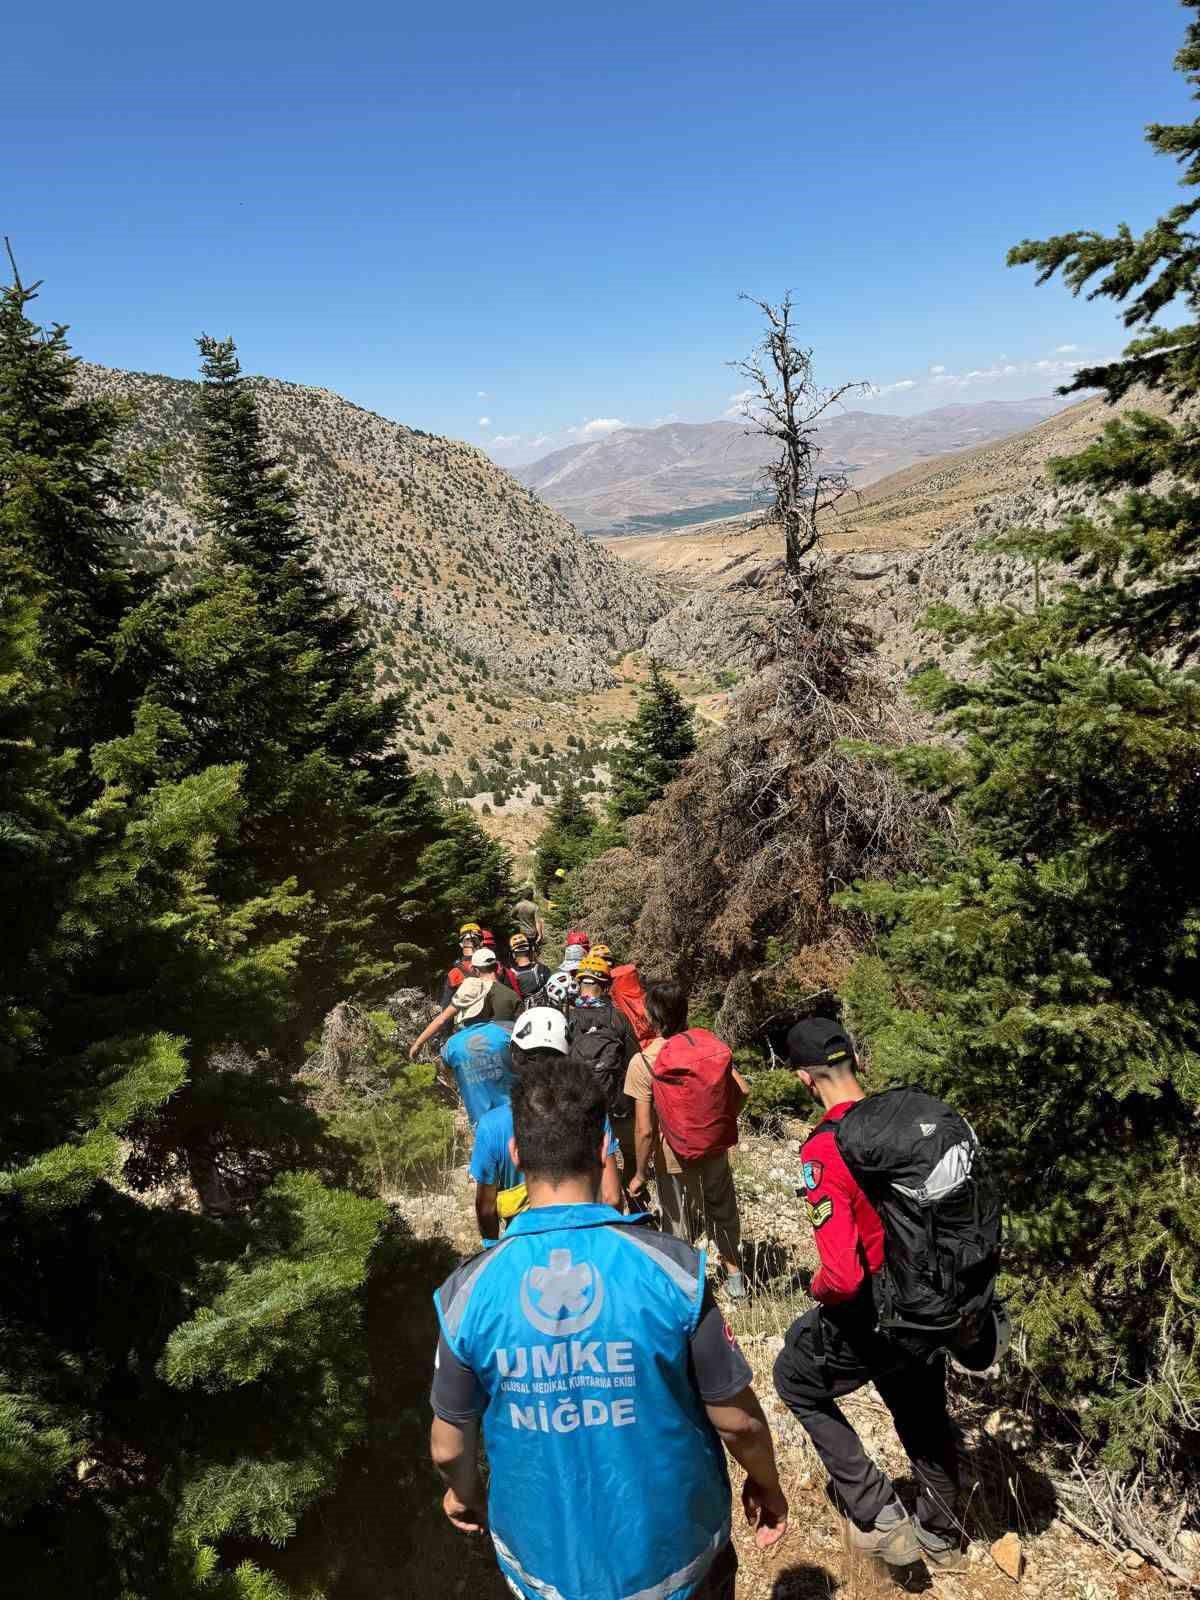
(1019, 1542)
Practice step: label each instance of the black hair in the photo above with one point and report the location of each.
(539, 1055)
(667, 1006)
(558, 1120)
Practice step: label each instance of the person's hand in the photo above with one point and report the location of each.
(637, 1186)
(766, 1512)
(414, 1050)
(467, 1519)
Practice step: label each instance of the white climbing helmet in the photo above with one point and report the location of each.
(562, 988)
(541, 1028)
(990, 1348)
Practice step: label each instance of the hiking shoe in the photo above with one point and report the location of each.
(892, 1537)
(940, 1553)
(735, 1286)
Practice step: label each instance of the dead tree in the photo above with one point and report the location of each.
(785, 403)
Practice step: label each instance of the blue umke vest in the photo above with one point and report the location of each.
(608, 1482)
(479, 1055)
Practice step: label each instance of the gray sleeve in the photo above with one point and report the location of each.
(718, 1365)
(457, 1396)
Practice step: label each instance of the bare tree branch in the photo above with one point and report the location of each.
(786, 404)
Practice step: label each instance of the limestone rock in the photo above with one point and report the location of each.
(1009, 1556)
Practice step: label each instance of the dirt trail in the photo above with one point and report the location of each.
(814, 1562)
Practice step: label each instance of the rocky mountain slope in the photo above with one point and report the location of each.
(501, 621)
(653, 479)
(911, 540)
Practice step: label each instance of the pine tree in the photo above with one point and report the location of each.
(260, 662)
(1043, 974)
(168, 1377)
(566, 840)
(661, 737)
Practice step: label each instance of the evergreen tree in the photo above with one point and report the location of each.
(566, 840)
(1043, 974)
(661, 737)
(261, 663)
(168, 1377)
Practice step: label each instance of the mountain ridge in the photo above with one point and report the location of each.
(639, 479)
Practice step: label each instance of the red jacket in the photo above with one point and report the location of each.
(846, 1227)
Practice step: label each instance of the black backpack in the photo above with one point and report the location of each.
(531, 980)
(597, 1040)
(920, 1165)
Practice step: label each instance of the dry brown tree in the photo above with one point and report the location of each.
(785, 403)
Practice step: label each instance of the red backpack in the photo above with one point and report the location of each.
(694, 1094)
(627, 994)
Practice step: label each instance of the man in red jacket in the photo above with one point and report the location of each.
(836, 1348)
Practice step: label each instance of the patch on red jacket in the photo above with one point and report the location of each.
(820, 1213)
(813, 1172)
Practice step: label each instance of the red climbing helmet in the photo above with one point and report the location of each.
(576, 936)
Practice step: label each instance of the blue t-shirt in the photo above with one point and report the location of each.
(478, 1055)
(490, 1160)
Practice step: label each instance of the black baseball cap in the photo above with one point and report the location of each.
(819, 1042)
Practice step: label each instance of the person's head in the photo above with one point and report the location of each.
(594, 977)
(519, 945)
(821, 1054)
(539, 1035)
(470, 1001)
(577, 936)
(667, 1006)
(603, 951)
(483, 963)
(558, 1125)
(562, 989)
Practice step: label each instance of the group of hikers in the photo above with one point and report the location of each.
(586, 1343)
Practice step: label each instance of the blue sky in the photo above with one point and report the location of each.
(541, 215)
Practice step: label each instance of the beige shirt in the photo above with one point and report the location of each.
(639, 1085)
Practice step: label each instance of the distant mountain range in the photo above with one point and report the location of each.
(649, 480)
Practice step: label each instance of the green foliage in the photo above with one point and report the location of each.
(1043, 973)
(385, 1111)
(567, 839)
(206, 835)
(776, 1093)
(659, 740)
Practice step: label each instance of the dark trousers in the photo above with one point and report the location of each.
(825, 1357)
(721, 1578)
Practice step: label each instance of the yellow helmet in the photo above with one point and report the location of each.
(603, 951)
(594, 967)
(469, 930)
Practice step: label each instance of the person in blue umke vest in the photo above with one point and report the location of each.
(589, 1347)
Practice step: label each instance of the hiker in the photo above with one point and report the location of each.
(527, 976)
(687, 1095)
(469, 940)
(600, 1037)
(528, 920)
(491, 1001)
(539, 1039)
(478, 1052)
(588, 1348)
(839, 1346)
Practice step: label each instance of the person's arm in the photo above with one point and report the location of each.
(457, 1401)
(540, 926)
(486, 1213)
(830, 1207)
(742, 1091)
(643, 1139)
(435, 1026)
(746, 1435)
(610, 1184)
(722, 1375)
(454, 1448)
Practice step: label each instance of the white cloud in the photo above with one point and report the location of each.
(739, 404)
(505, 441)
(603, 425)
(662, 422)
(539, 439)
(485, 422)
(935, 371)
(481, 394)
(891, 388)
(1065, 349)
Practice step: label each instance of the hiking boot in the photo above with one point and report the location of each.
(892, 1537)
(735, 1286)
(941, 1553)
